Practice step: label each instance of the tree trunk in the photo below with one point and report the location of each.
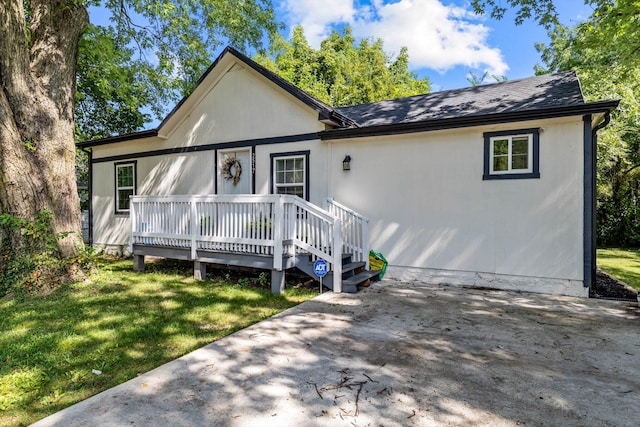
(37, 94)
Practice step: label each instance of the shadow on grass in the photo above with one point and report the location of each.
(121, 324)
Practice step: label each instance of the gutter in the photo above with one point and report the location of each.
(590, 198)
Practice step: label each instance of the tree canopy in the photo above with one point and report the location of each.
(342, 72)
(152, 51)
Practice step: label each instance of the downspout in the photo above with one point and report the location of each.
(89, 152)
(590, 200)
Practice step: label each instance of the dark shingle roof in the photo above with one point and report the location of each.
(529, 94)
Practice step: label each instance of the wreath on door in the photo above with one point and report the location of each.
(231, 169)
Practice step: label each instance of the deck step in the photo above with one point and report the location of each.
(360, 278)
(346, 268)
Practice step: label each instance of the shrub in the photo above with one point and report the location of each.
(29, 258)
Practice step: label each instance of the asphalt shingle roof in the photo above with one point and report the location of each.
(529, 94)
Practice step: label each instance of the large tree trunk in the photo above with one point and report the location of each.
(37, 93)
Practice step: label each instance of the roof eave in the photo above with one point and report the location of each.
(469, 121)
(118, 138)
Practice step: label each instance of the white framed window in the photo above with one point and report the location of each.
(125, 175)
(511, 154)
(290, 174)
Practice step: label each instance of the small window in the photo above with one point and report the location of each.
(290, 174)
(511, 154)
(125, 186)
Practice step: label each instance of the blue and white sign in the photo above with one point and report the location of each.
(321, 268)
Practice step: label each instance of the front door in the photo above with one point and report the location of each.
(234, 172)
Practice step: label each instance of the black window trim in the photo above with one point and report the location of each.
(307, 166)
(535, 168)
(134, 163)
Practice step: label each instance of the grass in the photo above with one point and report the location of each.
(120, 323)
(624, 264)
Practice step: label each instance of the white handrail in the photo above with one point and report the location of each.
(355, 230)
(274, 225)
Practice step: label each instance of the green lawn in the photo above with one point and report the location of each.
(120, 323)
(621, 263)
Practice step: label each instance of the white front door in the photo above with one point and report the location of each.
(234, 172)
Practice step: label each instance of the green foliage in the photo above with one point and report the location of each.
(543, 11)
(112, 86)
(119, 322)
(263, 279)
(243, 282)
(342, 73)
(30, 145)
(153, 53)
(29, 259)
(474, 80)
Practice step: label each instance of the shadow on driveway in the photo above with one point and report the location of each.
(398, 354)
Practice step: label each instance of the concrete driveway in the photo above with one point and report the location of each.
(398, 354)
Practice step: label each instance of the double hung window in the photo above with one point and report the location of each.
(125, 186)
(290, 174)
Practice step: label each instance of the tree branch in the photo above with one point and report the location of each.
(631, 169)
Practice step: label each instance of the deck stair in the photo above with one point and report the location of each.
(354, 273)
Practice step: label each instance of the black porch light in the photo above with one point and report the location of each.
(346, 163)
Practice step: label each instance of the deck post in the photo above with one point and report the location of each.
(277, 281)
(337, 256)
(365, 242)
(199, 271)
(278, 232)
(138, 263)
(134, 223)
(195, 229)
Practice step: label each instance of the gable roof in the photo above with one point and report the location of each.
(546, 96)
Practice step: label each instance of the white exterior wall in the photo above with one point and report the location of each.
(431, 212)
(241, 106)
(432, 215)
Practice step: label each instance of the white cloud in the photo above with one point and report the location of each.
(317, 16)
(437, 36)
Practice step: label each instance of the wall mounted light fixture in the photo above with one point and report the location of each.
(346, 163)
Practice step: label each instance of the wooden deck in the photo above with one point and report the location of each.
(260, 231)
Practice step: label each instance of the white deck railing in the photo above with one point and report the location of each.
(273, 225)
(355, 230)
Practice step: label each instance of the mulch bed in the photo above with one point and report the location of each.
(608, 286)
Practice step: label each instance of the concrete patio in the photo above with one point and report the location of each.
(398, 354)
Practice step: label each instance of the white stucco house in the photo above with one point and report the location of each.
(490, 185)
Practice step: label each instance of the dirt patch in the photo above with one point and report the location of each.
(608, 286)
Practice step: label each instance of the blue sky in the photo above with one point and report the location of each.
(445, 39)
